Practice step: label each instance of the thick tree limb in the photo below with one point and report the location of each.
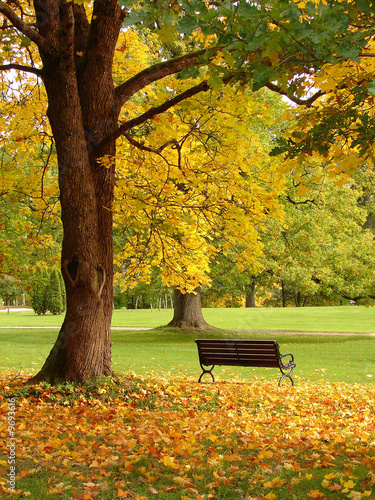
(102, 36)
(96, 65)
(67, 37)
(150, 113)
(157, 110)
(81, 27)
(154, 73)
(21, 26)
(20, 67)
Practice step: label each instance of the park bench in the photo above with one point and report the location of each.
(243, 353)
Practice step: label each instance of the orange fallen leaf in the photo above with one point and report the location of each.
(335, 487)
(123, 494)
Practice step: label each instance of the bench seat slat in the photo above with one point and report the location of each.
(244, 352)
(239, 362)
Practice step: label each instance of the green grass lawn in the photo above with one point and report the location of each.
(322, 319)
(170, 351)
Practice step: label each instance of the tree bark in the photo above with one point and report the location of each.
(188, 311)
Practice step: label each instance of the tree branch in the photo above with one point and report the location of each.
(150, 113)
(81, 27)
(67, 37)
(20, 67)
(154, 73)
(102, 35)
(296, 203)
(21, 26)
(143, 147)
(302, 102)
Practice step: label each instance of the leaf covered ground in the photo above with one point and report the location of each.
(163, 437)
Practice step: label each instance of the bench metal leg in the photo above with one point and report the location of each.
(207, 371)
(283, 376)
(291, 368)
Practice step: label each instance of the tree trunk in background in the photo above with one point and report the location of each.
(250, 295)
(283, 294)
(188, 311)
(300, 301)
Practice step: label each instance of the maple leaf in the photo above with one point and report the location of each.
(349, 484)
(335, 487)
(169, 462)
(316, 494)
(182, 481)
(124, 494)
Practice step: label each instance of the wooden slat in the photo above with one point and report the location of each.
(238, 352)
(272, 362)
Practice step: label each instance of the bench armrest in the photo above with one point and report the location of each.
(288, 354)
(291, 360)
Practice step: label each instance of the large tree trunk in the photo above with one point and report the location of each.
(188, 311)
(81, 113)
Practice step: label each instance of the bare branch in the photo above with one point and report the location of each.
(20, 67)
(21, 26)
(302, 102)
(143, 147)
(296, 203)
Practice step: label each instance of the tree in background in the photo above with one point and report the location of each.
(39, 289)
(55, 302)
(323, 248)
(9, 289)
(47, 293)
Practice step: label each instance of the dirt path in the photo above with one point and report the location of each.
(297, 332)
(269, 332)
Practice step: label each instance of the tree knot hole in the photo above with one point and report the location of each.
(71, 268)
(101, 279)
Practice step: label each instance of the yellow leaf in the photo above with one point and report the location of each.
(169, 462)
(183, 481)
(349, 484)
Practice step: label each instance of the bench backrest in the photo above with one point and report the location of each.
(239, 352)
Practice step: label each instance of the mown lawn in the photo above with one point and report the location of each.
(172, 351)
(324, 319)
